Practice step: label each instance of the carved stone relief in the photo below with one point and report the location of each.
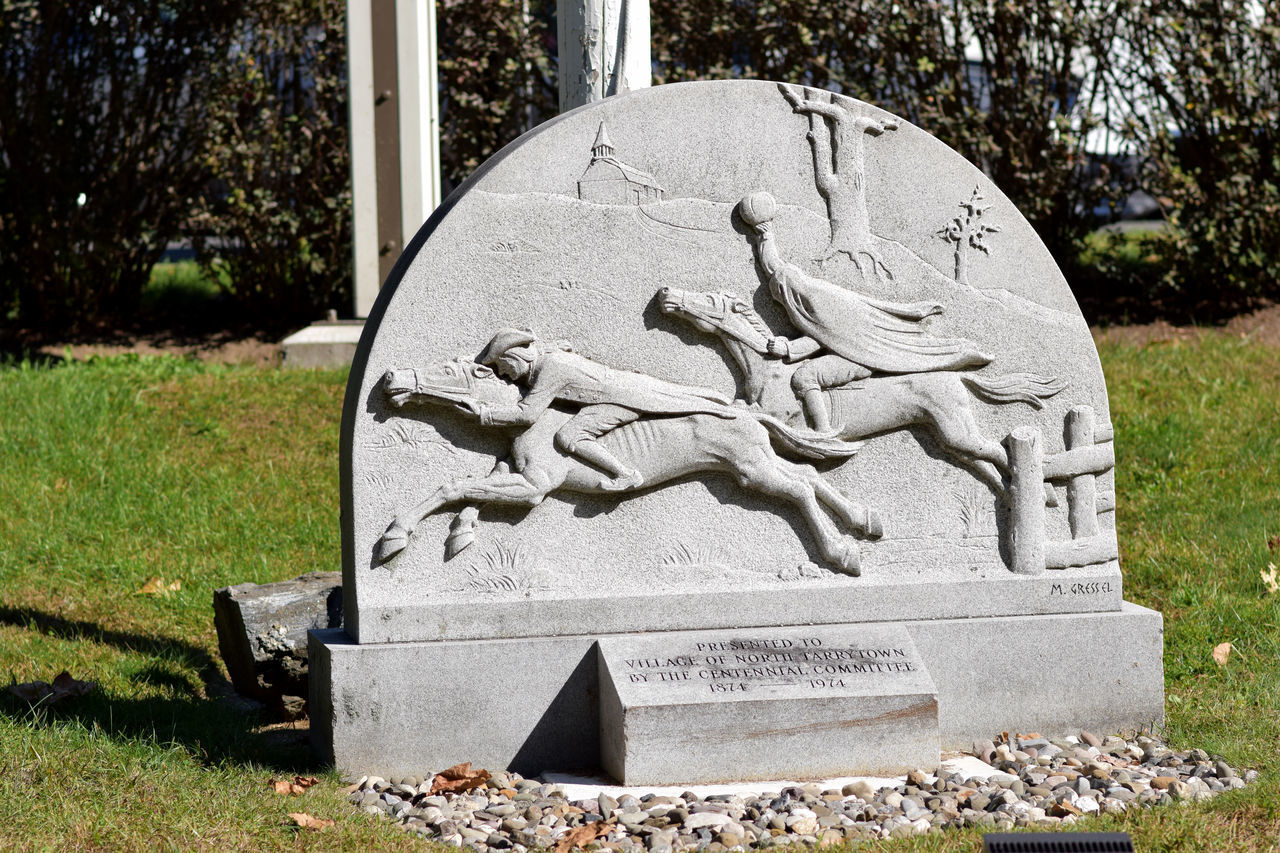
(588, 428)
(837, 134)
(761, 326)
(969, 231)
(787, 383)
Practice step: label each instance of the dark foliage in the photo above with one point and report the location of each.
(1202, 86)
(103, 115)
(227, 121)
(274, 222)
(497, 75)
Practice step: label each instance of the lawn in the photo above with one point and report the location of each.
(123, 470)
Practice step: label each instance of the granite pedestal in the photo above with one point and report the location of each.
(533, 704)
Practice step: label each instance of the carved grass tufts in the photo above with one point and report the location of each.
(505, 568)
(416, 436)
(976, 513)
(699, 555)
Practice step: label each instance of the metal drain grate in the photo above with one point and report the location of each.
(1057, 842)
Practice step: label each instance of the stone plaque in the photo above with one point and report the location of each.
(716, 354)
(765, 703)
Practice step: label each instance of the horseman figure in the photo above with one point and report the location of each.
(553, 372)
(845, 336)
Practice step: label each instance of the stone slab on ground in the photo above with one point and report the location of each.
(577, 786)
(262, 634)
(532, 704)
(693, 706)
(1101, 672)
(323, 345)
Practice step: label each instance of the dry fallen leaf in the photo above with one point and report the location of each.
(582, 835)
(296, 787)
(156, 586)
(1221, 652)
(41, 693)
(458, 778)
(1269, 578)
(306, 821)
(1063, 809)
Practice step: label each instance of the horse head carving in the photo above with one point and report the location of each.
(717, 312)
(454, 381)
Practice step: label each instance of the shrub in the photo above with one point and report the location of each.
(102, 115)
(497, 77)
(274, 224)
(1202, 83)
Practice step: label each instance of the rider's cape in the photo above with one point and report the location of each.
(883, 336)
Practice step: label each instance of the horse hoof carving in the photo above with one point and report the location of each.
(847, 561)
(395, 540)
(874, 528)
(458, 541)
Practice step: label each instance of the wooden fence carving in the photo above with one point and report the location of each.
(1090, 452)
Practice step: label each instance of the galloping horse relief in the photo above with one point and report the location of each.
(850, 368)
(861, 407)
(625, 431)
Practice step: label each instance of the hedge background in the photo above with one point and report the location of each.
(126, 124)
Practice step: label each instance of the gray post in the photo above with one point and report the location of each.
(395, 155)
(1082, 510)
(604, 49)
(1026, 501)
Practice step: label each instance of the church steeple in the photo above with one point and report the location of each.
(603, 146)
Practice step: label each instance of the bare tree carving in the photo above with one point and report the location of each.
(968, 231)
(839, 167)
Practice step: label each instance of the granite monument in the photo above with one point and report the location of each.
(727, 429)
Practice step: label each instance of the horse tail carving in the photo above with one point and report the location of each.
(810, 445)
(1029, 388)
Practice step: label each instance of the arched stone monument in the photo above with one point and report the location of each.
(790, 456)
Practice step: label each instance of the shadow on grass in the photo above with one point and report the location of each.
(209, 721)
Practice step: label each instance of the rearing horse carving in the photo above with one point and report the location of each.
(939, 400)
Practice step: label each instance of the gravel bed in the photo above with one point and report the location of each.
(1034, 782)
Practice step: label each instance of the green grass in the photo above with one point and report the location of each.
(178, 292)
(110, 473)
(122, 469)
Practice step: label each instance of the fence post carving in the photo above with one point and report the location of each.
(1090, 453)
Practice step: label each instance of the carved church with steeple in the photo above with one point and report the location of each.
(608, 180)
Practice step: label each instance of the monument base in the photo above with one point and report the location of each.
(533, 704)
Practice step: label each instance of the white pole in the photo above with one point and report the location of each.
(364, 176)
(604, 49)
(417, 78)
